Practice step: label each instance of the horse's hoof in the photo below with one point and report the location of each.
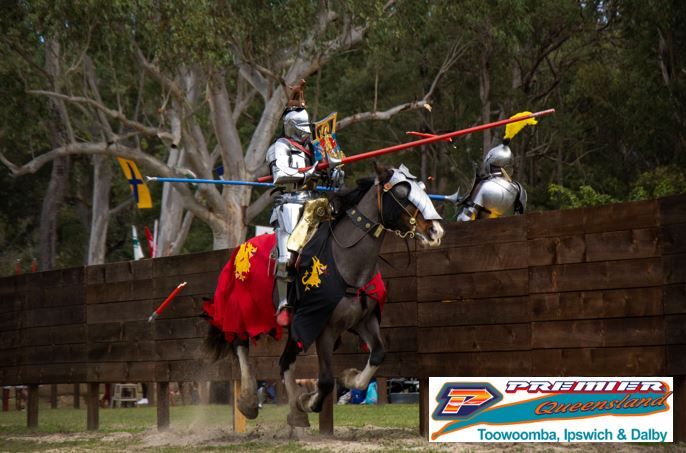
(298, 420)
(303, 402)
(248, 409)
(348, 378)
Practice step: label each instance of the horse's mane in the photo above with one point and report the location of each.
(347, 198)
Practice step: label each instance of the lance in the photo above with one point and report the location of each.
(424, 141)
(169, 298)
(452, 198)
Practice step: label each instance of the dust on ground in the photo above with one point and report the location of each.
(348, 439)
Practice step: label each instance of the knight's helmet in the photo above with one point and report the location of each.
(296, 121)
(500, 157)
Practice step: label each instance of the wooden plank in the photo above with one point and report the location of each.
(595, 276)
(134, 351)
(73, 333)
(32, 407)
(398, 339)
(393, 244)
(107, 372)
(95, 274)
(111, 292)
(504, 229)
(188, 370)
(673, 239)
(672, 209)
(142, 269)
(643, 331)
(162, 406)
(104, 332)
(495, 337)
(181, 307)
(632, 361)
(53, 373)
(674, 268)
(397, 265)
(501, 363)
(623, 245)
(166, 329)
(138, 331)
(675, 329)
(498, 310)
(137, 310)
(202, 284)
(674, 298)
(62, 353)
(399, 314)
(11, 339)
(616, 303)
(58, 316)
(401, 289)
(179, 349)
(676, 360)
(467, 286)
(56, 296)
(475, 258)
(679, 408)
(556, 250)
(565, 222)
(93, 406)
(181, 265)
(621, 216)
(118, 272)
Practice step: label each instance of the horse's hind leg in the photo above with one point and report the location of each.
(312, 402)
(370, 333)
(297, 418)
(247, 400)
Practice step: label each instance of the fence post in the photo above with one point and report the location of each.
(77, 396)
(32, 407)
(239, 421)
(382, 390)
(326, 415)
(53, 396)
(424, 407)
(93, 406)
(5, 399)
(162, 405)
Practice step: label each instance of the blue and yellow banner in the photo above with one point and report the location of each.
(140, 191)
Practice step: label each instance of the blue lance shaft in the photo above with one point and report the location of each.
(454, 198)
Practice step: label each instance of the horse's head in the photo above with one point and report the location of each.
(405, 207)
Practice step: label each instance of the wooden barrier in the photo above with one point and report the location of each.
(593, 291)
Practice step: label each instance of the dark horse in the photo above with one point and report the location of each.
(394, 202)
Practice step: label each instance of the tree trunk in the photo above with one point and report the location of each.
(171, 211)
(102, 182)
(59, 178)
(485, 96)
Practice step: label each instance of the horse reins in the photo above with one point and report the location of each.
(413, 217)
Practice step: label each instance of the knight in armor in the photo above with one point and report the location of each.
(295, 191)
(495, 193)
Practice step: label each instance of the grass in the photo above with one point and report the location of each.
(192, 427)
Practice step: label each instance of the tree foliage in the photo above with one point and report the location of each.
(165, 71)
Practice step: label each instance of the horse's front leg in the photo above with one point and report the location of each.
(297, 418)
(312, 402)
(370, 333)
(247, 400)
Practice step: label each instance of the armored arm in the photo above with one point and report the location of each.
(282, 164)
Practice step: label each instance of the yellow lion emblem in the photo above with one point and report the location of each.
(311, 277)
(242, 262)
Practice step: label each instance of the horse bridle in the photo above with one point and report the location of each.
(387, 188)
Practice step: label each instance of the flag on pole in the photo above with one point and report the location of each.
(151, 241)
(137, 250)
(140, 191)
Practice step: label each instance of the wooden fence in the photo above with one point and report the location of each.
(592, 291)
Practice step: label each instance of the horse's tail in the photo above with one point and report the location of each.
(216, 344)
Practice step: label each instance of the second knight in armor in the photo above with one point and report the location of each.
(495, 193)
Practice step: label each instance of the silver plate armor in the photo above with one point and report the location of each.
(495, 194)
(418, 195)
(284, 159)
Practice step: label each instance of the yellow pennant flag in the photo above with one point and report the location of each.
(513, 129)
(140, 191)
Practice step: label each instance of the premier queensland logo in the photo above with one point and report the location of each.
(597, 409)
